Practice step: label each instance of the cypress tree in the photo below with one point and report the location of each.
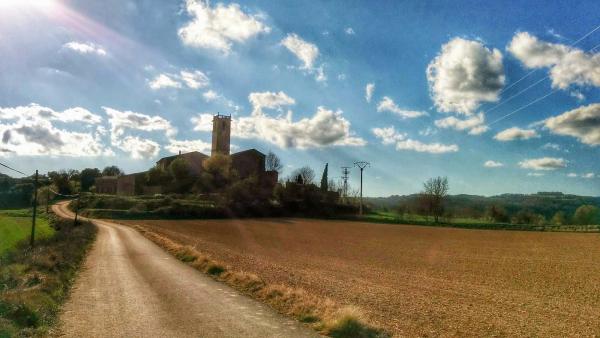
(324, 181)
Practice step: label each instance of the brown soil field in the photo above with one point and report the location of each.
(417, 280)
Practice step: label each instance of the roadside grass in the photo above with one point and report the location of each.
(35, 282)
(322, 314)
(15, 226)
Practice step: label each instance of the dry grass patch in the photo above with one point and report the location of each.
(322, 314)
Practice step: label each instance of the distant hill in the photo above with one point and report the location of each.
(544, 203)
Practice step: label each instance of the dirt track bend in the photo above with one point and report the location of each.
(129, 287)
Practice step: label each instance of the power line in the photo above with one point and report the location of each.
(13, 169)
(533, 85)
(535, 70)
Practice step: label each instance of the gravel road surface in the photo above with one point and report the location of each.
(129, 287)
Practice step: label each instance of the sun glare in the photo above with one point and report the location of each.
(41, 5)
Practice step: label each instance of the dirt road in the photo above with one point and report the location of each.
(129, 287)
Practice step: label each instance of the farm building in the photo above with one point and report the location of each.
(246, 163)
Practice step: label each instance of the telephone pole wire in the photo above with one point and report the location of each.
(361, 165)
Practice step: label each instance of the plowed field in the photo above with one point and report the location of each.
(416, 280)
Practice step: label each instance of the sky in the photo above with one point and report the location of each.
(500, 97)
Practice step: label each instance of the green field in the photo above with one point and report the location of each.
(15, 226)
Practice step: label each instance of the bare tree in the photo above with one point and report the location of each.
(307, 174)
(273, 163)
(434, 192)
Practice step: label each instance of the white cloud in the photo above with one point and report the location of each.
(465, 74)
(85, 48)
(389, 135)
(544, 163)
(193, 79)
(324, 128)
(270, 100)
(535, 174)
(516, 133)
(387, 104)
(475, 124)
(220, 26)
(493, 164)
(186, 146)
(369, 90)
(304, 51)
(588, 175)
(120, 121)
(568, 65)
(578, 95)
(202, 122)
(138, 148)
(582, 123)
(349, 31)
(29, 131)
(572, 175)
(320, 74)
(164, 81)
(551, 146)
(210, 95)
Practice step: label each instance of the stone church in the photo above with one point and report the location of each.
(246, 163)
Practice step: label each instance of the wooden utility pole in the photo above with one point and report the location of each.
(361, 165)
(35, 189)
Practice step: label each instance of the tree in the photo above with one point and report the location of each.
(88, 178)
(307, 174)
(62, 181)
(498, 214)
(179, 169)
(324, 181)
(273, 163)
(157, 176)
(586, 215)
(559, 218)
(218, 173)
(112, 170)
(435, 191)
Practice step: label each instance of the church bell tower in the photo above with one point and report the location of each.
(221, 134)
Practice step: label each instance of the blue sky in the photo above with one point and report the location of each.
(89, 83)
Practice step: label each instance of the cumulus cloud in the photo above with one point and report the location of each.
(465, 74)
(164, 81)
(588, 175)
(138, 148)
(220, 26)
(582, 123)
(324, 128)
(551, 146)
(544, 163)
(516, 133)
(572, 175)
(305, 51)
(349, 31)
(210, 95)
(122, 121)
(389, 135)
(85, 48)
(271, 100)
(369, 90)
(387, 104)
(30, 131)
(186, 146)
(568, 65)
(202, 122)
(493, 164)
(475, 124)
(535, 174)
(193, 79)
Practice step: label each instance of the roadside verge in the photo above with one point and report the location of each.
(35, 282)
(324, 315)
